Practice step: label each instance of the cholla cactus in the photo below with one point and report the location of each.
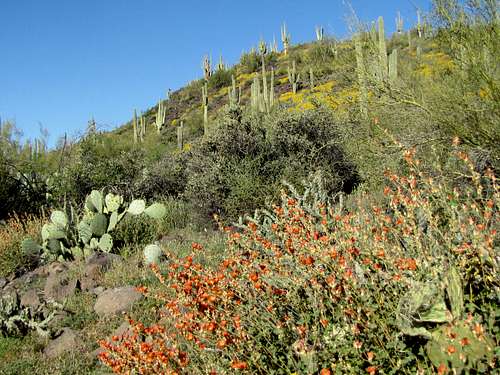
(207, 67)
(293, 77)
(285, 39)
(319, 33)
(399, 23)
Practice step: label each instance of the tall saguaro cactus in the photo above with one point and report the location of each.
(161, 116)
(285, 39)
(207, 67)
(382, 49)
(234, 96)
(293, 77)
(399, 23)
(204, 98)
(319, 33)
(180, 136)
(393, 65)
(419, 24)
(142, 128)
(134, 124)
(360, 67)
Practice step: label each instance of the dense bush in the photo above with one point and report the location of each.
(220, 78)
(245, 158)
(102, 164)
(309, 287)
(252, 61)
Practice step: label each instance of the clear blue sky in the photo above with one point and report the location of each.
(64, 61)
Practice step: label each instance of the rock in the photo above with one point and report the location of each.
(56, 267)
(104, 260)
(58, 319)
(30, 298)
(67, 341)
(98, 290)
(60, 286)
(3, 282)
(117, 300)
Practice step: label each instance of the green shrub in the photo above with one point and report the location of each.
(245, 158)
(220, 78)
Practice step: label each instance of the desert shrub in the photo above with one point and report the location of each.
(163, 178)
(407, 286)
(102, 164)
(243, 161)
(252, 61)
(322, 53)
(220, 78)
(12, 233)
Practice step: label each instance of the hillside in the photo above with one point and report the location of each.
(325, 208)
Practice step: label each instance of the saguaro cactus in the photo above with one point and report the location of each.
(142, 127)
(234, 98)
(293, 77)
(382, 48)
(363, 93)
(271, 89)
(221, 65)
(204, 96)
(311, 78)
(134, 124)
(180, 136)
(419, 23)
(319, 33)
(161, 116)
(399, 23)
(207, 67)
(285, 39)
(393, 65)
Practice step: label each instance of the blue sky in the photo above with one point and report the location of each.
(64, 61)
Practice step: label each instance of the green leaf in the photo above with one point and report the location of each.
(420, 332)
(59, 218)
(455, 292)
(136, 207)
(106, 243)
(156, 211)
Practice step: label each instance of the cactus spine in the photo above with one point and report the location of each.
(399, 23)
(363, 94)
(382, 48)
(180, 136)
(293, 77)
(285, 39)
(204, 95)
(319, 33)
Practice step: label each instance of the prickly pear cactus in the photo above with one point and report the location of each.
(74, 237)
(152, 254)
